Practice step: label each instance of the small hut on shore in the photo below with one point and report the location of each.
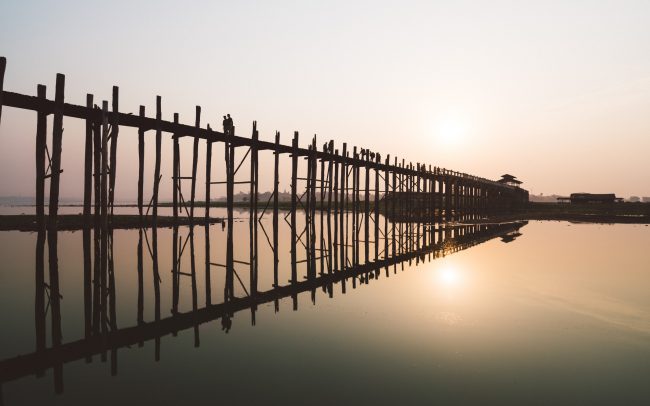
(606, 198)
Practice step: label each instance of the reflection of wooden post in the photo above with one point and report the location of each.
(294, 191)
(57, 140)
(39, 303)
(195, 304)
(208, 276)
(140, 165)
(87, 280)
(140, 317)
(41, 135)
(88, 162)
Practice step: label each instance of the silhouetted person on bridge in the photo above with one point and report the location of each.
(225, 125)
(231, 126)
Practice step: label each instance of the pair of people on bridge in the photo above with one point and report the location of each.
(228, 126)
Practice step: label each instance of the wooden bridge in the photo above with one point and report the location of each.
(348, 178)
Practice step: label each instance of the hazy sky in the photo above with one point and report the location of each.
(554, 92)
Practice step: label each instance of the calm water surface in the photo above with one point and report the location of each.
(559, 315)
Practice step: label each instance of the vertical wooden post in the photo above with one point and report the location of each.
(276, 183)
(294, 191)
(314, 177)
(57, 141)
(330, 181)
(366, 210)
(104, 217)
(307, 207)
(343, 203)
(156, 176)
(253, 208)
(355, 213)
(208, 176)
(393, 211)
(88, 176)
(335, 259)
(230, 179)
(41, 135)
(114, 133)
(376, 208)
(176, 172)
(195, 157)
(3, 65)
(88, 162)
(140, 166)
(322, 209)
(386, 190)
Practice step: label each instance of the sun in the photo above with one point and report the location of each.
(451, 131)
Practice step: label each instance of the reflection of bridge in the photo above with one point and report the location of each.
(102, 336)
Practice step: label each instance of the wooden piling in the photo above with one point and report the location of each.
(337, 213)
(386, 190)
(57, 141)
(41, 135)
(276, 184)
(376, 206)
(88, 163)
(113, 158)
(366, 210)
(343, 204)
(330, 190)
(294, 191)
(3, 66)
(156, 176)
(176, 172)
(141, 165)
(208, 176)
(195, 157)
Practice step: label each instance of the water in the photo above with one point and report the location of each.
(558, 315)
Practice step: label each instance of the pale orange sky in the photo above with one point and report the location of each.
(556, 93)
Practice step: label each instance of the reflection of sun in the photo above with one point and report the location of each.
(449, 277)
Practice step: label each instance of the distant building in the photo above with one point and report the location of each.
(634, 199)
(509, 180)
(646, 199)
(590, 198)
